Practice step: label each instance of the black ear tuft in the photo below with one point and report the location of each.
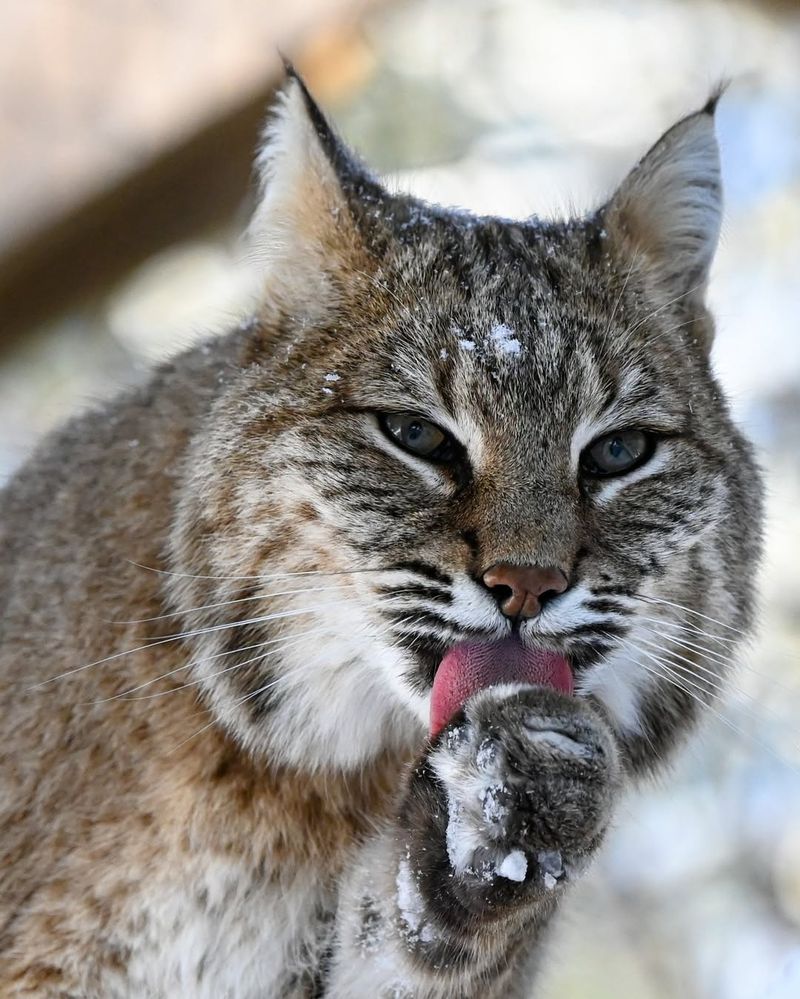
(346, 165)
(710, 106)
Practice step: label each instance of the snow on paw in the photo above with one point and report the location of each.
(528, 776)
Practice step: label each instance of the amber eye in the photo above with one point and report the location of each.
(419, 436)
(617, 453)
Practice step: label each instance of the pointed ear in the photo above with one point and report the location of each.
(668, 212)
(304, 236)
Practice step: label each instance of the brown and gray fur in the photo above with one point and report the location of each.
(224, 597)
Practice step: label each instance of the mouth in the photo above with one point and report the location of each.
(471, 666)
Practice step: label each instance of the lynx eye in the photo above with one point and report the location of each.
(617, 453)
(419, 436)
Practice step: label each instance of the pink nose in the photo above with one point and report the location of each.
(520, 590)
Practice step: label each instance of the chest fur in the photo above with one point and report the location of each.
(226, 930)
(245, 907)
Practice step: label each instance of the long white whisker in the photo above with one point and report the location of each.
(670, 329)
(684, 684)
(691, 662)
(200, 631)
(734, 645)
(262, 576)
(238, 600)
(229, 669)
(194, 735)
(269, 685)
(241, 700)
(651, 315)
(634, 260)
(709, 693)
(711, 678)
(716, 682)
(274, 616)
(99, 662)
(734, 664)
(124, 695)
(690, 610)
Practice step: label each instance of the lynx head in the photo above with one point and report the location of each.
(443, 428)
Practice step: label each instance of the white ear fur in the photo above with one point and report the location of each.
(670, 206)
(296, 232)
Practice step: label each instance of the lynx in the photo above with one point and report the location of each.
(327, 655)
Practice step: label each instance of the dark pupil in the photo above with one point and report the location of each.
(415, 430)
(617, 448)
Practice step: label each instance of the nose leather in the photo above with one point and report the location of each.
(528, 585)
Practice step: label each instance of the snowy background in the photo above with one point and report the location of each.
(514, 106)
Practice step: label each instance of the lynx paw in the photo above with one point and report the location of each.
(529, 777)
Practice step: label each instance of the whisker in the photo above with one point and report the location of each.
(678, 681)
(682, 683)
(733, 645)
(726, 664)
(734, 664)
(268, 686)
(123, 695)
(690, 610)
(228, 669)
(651, 315)
(99, 662)
(715, 682)
(238, 701)
(193, 634)
(634, 261)
(262, 576)
(670, 329)
(672, 676)
(238, 600)
(274, 616)
(191, 737)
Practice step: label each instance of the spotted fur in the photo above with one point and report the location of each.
(232, 808)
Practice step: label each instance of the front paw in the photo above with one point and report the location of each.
(529, 777)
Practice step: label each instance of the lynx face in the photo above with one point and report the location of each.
(426, 396)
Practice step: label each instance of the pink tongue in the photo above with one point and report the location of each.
(471, 666)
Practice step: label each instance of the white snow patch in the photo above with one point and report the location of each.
(503, 338)
(465, 344)
(332, 377)
(411, 904)
(514, 866)
(552, 867)
(443, 353)
(462, 841)
(426, 934)
(409, 900)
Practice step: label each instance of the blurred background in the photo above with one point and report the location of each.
(127, 130)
